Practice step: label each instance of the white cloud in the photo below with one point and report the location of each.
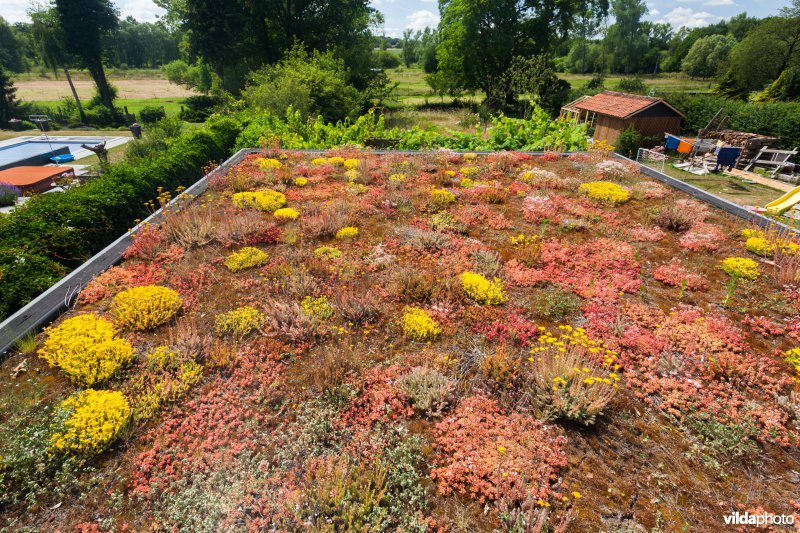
(15, 10)
(686, 16)
(419, 20)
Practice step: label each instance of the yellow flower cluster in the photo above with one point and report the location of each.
(286, 213)
(605, 191)
(319, 307)
(740, 267)
(397, 178)
(86, 348)
(319, 161)
(161, 356)
(247, 257)
(793, 358)
(266, 200)
(523, 240)
(268, 163)
(760, 246)
(327, 252)
(469, 171)
(350, 164)
(765, 244)
(348, 232)
(238, 322)
(301, 182)
(441, 198)
(467, 183)
(95, 419)
(481, 289)
(419, 326)
(145, 307)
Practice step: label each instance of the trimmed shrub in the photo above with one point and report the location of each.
(86, 348)
(150, 114)
(145, 307)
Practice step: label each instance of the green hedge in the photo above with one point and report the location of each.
(54, 233)
(778, 119)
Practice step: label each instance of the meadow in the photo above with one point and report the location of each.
(440, 341)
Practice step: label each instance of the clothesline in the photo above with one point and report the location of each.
(726, 155)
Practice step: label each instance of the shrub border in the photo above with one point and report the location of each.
(47, 306)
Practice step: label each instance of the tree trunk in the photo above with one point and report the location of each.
(99, 77)
(75, 95)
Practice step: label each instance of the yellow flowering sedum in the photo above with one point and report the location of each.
(351, 164)
(301, 182)
(419, 326)
(146, 307)
(327, 252)
(740, 267)
(441, 198)
(319, 307)
(397, 178)
(239, 322)
(267, 200)
(286, 213)
(265, 163)
(347, 233)
(760, 246)
(95, 419)
(247, 257)
(86, 348)
(605, 191)
(481, 289)
(319, 161)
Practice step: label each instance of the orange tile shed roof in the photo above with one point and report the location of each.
(621, 105)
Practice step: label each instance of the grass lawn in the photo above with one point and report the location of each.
(111, 73)
(729, 187)
(172, 106)
(661, 82)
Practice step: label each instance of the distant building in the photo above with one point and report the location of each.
(611, 112)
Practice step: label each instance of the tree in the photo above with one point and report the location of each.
(707, 56)
(48, 38)
(767, 51)
(8, 100)
(10, 50)
(84, 24)
(410, 48)
(628, 35)
(479, 39)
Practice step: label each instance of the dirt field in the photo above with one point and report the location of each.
(57, 89)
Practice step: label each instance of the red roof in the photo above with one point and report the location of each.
(34, 179)
(621, 105)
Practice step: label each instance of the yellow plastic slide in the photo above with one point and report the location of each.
(784, 203)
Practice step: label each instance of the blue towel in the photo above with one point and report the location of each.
(727, 156)
(672, 142)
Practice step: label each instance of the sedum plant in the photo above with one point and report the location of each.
(87, 349)
(419, 326)
(239, 322)
(266, 200)
(482, 290)
(145, 307)
(247, 257)
(94, 420)
(605, 191)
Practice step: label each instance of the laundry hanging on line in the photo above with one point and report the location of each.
(684, 147)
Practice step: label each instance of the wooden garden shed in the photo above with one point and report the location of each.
(612, 112)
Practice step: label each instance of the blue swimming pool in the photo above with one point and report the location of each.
(39, 152)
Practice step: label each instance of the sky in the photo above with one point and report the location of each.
(417, 14)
